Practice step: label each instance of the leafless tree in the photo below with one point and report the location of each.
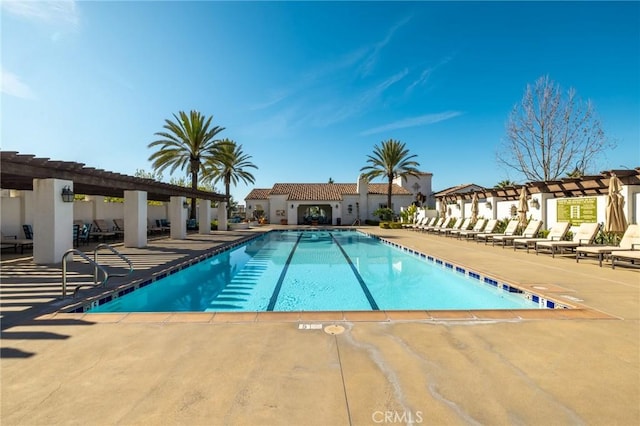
(551, 133)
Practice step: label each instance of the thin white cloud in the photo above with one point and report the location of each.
(13, 86)
(426, 74)
(370, 61)
(53, 12)
(422, 120)
(356, 105)
(311, 78)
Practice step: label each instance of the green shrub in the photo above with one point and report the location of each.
(384, 214)
(385, 225)
(372, 222)
(395, 225)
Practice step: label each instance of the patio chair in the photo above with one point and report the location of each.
(161, 224)
(531, 231)
(481, 224)
(585, 235)
(630, 241)
(28, 232)
(101, 229)
(455, 231)
(118, 225)
(152, 227)
(558, 232)
(511, 229)
(414, 224)
(440, 224)
(446, 229)
(423, 221)
(12, 241)
(84, 235)
(477, 227)
(434, 222)
(632, 256)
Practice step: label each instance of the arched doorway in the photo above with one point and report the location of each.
(315, 214)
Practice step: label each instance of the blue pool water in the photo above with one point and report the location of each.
(317, 271)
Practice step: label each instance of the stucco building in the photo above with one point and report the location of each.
(334, 203)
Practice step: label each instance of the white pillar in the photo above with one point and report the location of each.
(204, 211)
(493, 210)
(52, 222)
(98, 207)
(222, 216)
(178, 218)
(135, 219)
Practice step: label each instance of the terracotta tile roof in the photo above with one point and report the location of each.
(465, 187)
(381, 188)
(321, 191)
(314, 191)
(258, 194)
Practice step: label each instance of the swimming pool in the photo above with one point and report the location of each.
(320, 271)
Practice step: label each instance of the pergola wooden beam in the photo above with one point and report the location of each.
(17, 171)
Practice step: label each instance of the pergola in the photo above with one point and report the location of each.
(53, 217)
(17, 171)
(567, 187)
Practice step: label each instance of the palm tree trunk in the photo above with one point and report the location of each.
(194, 185)
(227, 192)
(389, 189)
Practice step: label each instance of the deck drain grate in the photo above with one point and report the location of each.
(334, 329)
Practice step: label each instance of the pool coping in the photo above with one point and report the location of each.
(552, 307)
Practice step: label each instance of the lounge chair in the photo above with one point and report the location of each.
(13, 241)
(585, 235)
(424, 221)
(557, 233)
(631, 256)
(511, 229)
(436, 225)
(414, 224)
(630, 241)
(455, 231)
(101, 229)
(118, 225)
(531, 231)
(446, 229)
(482, 226)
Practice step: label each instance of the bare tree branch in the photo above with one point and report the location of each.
(550, 133)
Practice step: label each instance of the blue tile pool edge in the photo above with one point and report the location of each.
(123, 289)
(543, 302)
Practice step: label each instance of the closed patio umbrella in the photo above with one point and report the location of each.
(523, 207)
(474, 208)
(616, 221)
(443, 208)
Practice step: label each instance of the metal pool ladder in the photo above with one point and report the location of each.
(96, 267)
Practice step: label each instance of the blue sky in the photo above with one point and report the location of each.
(308, 88)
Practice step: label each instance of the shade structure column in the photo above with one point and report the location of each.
(178, 217)
(98, 208)
(52, 221)
(222, 216)
(204, 210)
(135, 219)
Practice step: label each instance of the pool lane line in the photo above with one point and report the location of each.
(276, 291)
(363, 285)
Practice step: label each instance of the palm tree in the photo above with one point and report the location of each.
(229, 167)
(504, 183)
(391, 159)
(187, 143)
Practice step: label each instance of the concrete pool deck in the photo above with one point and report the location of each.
(529, 367)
